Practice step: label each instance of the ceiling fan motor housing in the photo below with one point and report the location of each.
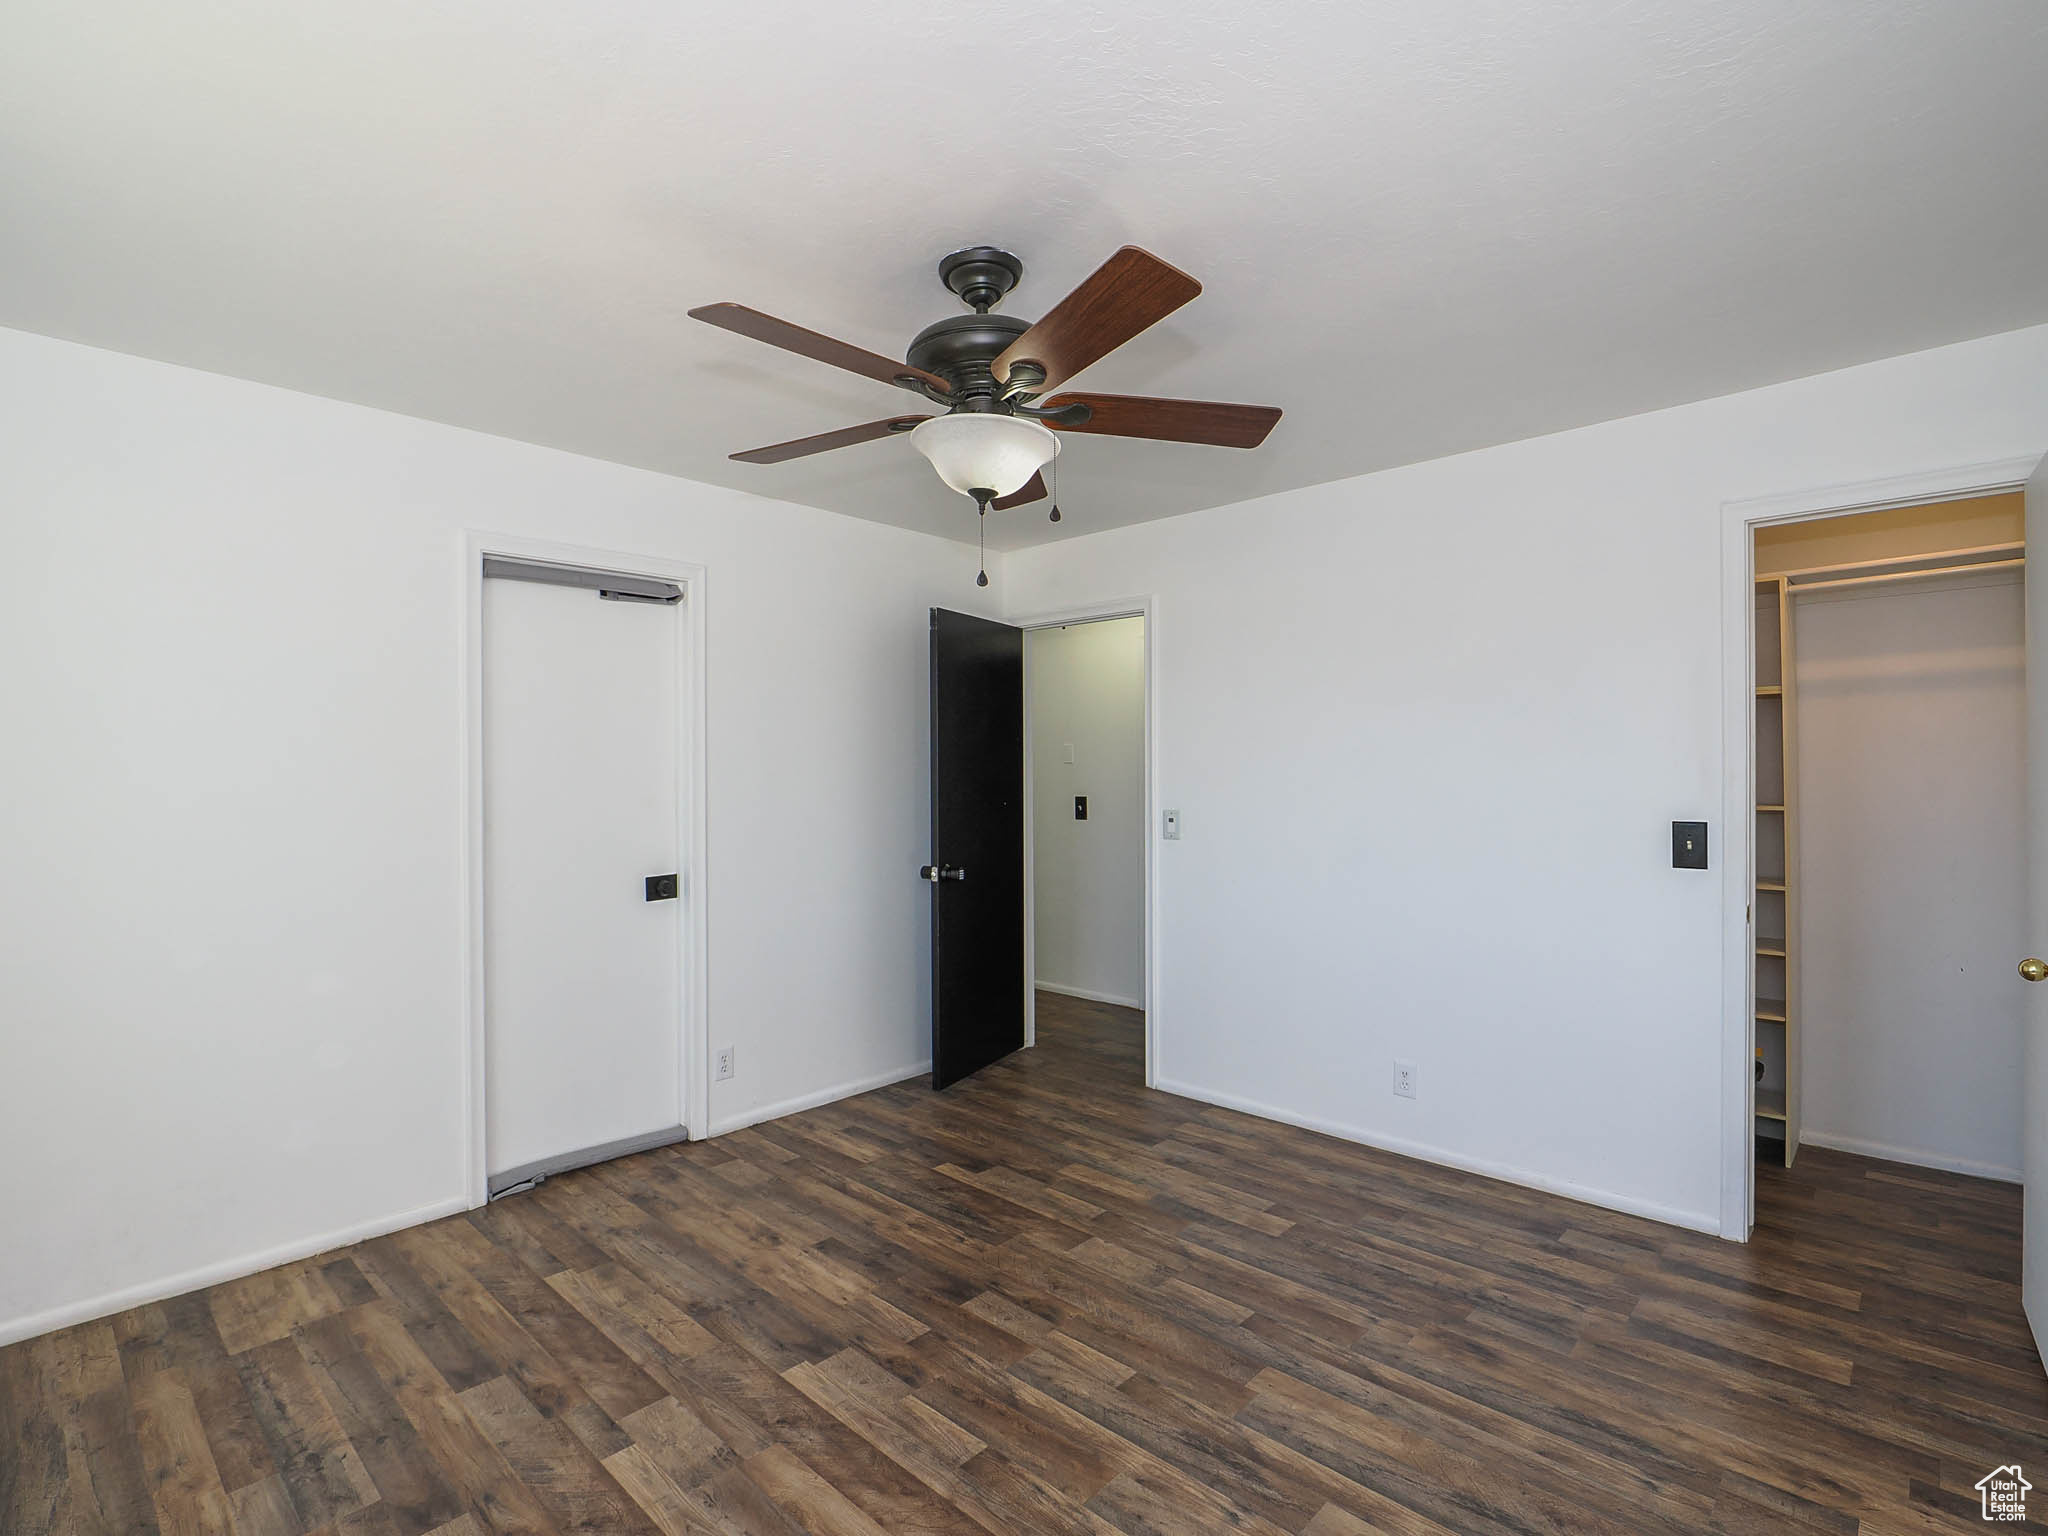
(960, 348)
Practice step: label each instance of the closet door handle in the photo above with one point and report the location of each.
(2034, 970)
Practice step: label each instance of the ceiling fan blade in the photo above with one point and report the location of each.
(1128, 292)
(756, 326)
(1031, 490)
(824, 442)
(1171, 421)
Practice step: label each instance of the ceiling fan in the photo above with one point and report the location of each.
(996, 376)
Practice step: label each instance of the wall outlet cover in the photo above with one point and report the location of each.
(723, 1068)
(1404, 1079)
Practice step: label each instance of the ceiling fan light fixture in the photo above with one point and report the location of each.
(985, 450)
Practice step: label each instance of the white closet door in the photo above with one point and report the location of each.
(582, 972)
(2034, 1152)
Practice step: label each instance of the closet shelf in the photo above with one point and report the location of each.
(1774, 848)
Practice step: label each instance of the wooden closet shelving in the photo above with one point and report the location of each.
(1774, 910)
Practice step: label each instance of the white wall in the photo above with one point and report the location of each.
(1912, 783)
(1428, 730)
(1087, 694)
(231, 1024)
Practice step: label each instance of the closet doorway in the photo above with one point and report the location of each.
(1888, 858)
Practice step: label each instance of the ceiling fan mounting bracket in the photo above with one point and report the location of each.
(980, 275)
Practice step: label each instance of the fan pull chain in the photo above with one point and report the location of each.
(981, 521)
(1055, 467)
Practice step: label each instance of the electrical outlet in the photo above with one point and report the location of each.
(1404, 1079)
(724, 1062)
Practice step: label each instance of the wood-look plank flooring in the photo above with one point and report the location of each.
(1049, 1301)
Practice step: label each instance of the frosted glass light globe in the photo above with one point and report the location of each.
(985, 451)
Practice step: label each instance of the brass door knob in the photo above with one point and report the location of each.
(2034, 970)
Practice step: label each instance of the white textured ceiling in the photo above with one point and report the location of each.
(1423, 225)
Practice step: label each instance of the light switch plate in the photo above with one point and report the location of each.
(1169, 826)
(1688, 845)
(1067, 753)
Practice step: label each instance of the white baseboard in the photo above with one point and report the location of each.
(1912, 1155)
(1088, 996)
(833, 1095)
(13, 1330)
(1628, 1205)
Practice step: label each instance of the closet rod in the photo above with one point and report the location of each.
(1971, 555)
(1797, 587)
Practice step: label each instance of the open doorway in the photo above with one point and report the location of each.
(1088, 828)
(1042, 754)
(1886, 879)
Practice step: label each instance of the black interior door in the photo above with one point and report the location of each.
(977, 868)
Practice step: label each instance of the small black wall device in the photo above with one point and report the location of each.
(1688, 845)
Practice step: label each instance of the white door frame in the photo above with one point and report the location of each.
(1739, 522)
(694, 991)
(1145, 608)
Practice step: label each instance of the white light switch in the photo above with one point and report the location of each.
(1067, 753)
(1170, 826)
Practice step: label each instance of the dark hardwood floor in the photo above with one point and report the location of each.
(1048, 1301)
